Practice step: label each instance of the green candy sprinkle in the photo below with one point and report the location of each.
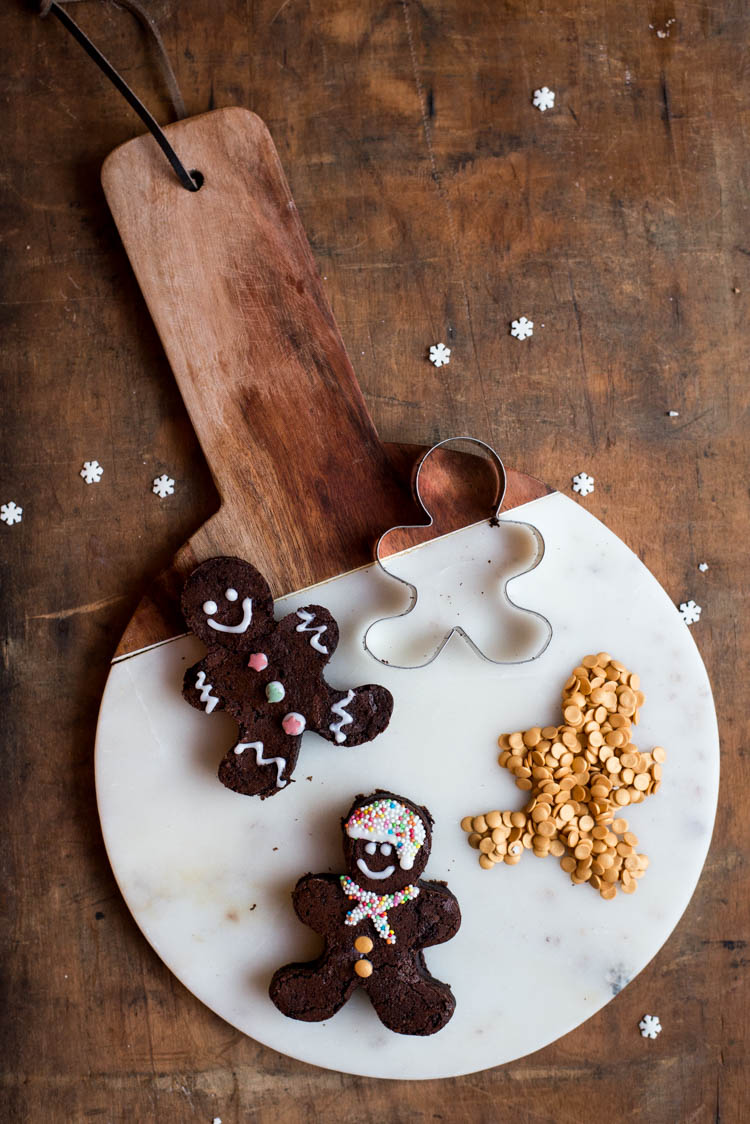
(275, 691)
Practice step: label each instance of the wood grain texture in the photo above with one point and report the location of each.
(232, 287)
(439, 205)
(306, 485)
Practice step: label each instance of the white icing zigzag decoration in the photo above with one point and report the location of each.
(315, 643)
(279, 762)
(205, 689)
(344, 718)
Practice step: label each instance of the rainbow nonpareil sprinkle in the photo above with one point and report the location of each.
(388, 821)
(375, 906)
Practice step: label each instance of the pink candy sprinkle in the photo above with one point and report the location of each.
(258, 661)
(293, 724)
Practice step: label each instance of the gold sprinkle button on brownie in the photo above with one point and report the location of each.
(363, 968)
(363, 944)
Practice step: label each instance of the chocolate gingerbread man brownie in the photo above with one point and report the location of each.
(376, 920)
(268, 675)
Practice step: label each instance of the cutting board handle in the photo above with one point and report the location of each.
(231, 284)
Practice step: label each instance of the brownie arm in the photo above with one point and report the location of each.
(439, 914)
(313, 631)
(361, 714)
(317, 901)
(198, 690)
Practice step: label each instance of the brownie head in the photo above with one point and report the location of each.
(227, 602)
(387, 842)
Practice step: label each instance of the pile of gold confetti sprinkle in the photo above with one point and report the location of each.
(579, 777)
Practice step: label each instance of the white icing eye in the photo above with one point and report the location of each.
(231, 594)
(209, 608)
(371, 848)
(385, 848)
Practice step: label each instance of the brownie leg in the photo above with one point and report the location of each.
(310, 992)
(409, 1001)
(261, 763)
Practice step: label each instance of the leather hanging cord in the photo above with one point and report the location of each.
(191, 181)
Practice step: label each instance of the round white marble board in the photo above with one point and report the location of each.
(208, 874)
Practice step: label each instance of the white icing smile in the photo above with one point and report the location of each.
(376, 874)
(247, 616)
(371, 848)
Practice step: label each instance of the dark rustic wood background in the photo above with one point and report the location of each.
(440, 205)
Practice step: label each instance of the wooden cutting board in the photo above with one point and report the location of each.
(306, 485)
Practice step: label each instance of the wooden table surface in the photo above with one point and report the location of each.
(440, 205)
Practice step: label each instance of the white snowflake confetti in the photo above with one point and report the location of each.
(662, 33)
(583, 484)
(703, 566)
(544, 98)
(10, 513)
(163, 486)
(92, 472)
(650, 1026)
(690, 612)
(440, 355)
(522, 328)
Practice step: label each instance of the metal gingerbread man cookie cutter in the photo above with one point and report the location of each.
(493, 521)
